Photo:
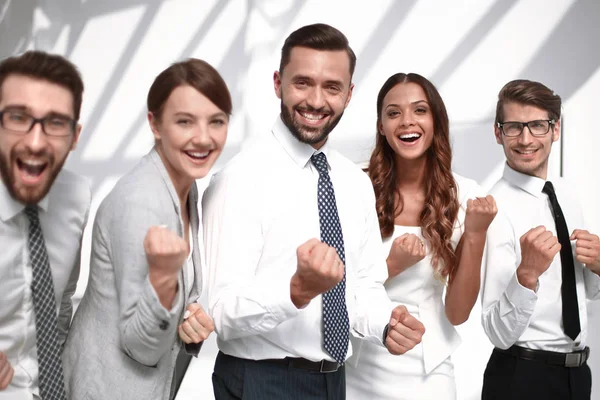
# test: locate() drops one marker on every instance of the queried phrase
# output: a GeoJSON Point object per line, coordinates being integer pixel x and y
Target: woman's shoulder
{"type": "Point", "coordinates": [467, 188]}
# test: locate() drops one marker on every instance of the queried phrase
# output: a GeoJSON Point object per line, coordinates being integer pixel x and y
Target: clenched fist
{"type": "Point", "coordinates": [538, 248]}
{"type": "Point", "coordinates": [406, 250]}
{"type": "Point", "coordinates": [480, 214]}
{"type": "Point", "coordinates": [197, 325]}
{"type": "Point", "coordinates": [165, 251]}
{"type": "Point", "coordinates": [319, 269]}
{"type": "Point", "coordinates": [587, 249]}
{"type": "Point", "coordinates": [6, 371]}
{"type": "Point", "coordinates": [404, 331]}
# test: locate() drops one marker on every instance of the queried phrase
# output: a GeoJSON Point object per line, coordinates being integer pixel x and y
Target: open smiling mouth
{"type": "Point", "coordinates": [526, 152]}
{"type": "Point", "coordinates": [31, 170]}
{"type": "Point", "coordinates": [198, 155]}
{"type": "Point", "coordinates": [312, 118]}
{"type": "Point", "coordinates": [410, 137]}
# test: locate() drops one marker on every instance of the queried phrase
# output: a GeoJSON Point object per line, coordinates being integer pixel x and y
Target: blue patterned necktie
{"type": "Point", "coordinates": [336, 327]}
{"type": "Point", "coordinates": [51, 380]}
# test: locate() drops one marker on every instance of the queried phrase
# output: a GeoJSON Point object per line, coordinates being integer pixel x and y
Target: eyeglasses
{"type": "Point", "coordinates": [52, 125]}
{"type": "Point", "coordinates": [539, 127]}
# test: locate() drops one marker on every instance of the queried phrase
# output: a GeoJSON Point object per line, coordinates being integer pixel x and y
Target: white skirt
{"type": "Point", "coordinates": [381, 375]}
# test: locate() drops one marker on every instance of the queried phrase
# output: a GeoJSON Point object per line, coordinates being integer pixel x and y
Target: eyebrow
{"type": "Point", "coordinates": [308, 78]}
{"type": "Point", "coordinates": [51, 113]}
{"type": "Point", "coordinates": [192, 116]}
{"type": "Point", "coordinates": [413, 103]}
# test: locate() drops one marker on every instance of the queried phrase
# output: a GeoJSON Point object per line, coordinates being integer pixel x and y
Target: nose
{"type": "Point", "coordinates": [525, 138]}
{"type": "Point", "coordinates": [201, 136]}
{"type": "Point", "coordinates": [407, 120]}
{"type": "Point", "coordinates": [316, 99]}
{"type": "Point", "coordinates": [36, 140]}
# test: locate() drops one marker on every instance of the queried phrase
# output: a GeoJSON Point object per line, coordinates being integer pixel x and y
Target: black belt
{"type": "Point", "coordinates": [570, 360]}
{"type": "Point", "coordinates": [302, 363]}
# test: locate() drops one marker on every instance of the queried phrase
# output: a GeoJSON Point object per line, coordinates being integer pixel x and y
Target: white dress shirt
{"type": "Point", "coordinates": [256, 212]}
{"type": "Point", "coordinates": [63, 216]}
{"type": "Point", "coordinates": [513, 314]}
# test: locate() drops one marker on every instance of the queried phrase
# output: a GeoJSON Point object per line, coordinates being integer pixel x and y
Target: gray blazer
{"type": "Point", "coordinates": [123, 343]}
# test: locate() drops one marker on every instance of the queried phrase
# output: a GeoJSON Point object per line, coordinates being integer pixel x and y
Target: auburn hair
{"type": "Point", "coordinates": [441, 207]}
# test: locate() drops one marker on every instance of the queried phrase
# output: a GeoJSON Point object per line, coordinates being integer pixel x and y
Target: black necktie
{"type": "Point", "coordinates": [336, 327]}
{"type": "Point", "coordinates": [51, 380]}
{"type": "Point", "coordinates": [570, 307]}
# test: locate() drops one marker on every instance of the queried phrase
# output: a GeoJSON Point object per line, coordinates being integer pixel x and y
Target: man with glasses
{"type": "Point", "coordinates": [43, 211]}
{"type": "Point", "coordinates": [541, 264]}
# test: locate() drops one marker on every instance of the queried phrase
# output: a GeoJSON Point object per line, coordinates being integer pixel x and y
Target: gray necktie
{"type": "Point", "coordinates": [51, 380]}
{"type": "Point", "coordinates": [336, 327]}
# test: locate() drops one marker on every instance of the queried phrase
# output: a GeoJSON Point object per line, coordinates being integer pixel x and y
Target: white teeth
{"type": "Point", "coordinates": [197, 154]}
{"type": "Point", "coordinates": [526, 151]}
{"type": "Point", "coordinates": [312, 117]}
{"type": "Point", "coordinates": [410, 135]}
{"type": "Point", "coordinates": [33, 163]}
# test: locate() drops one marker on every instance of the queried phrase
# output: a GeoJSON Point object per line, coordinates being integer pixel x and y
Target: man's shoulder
{"type": "Point", "coordinates": [348, 169]}
{"type": "Point", "coordinates": [71, 188]}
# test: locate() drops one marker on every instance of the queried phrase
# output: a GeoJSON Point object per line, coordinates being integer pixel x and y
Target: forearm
{"type": "Point", "coordinates": [149, 330]}
{"type": "Point", "coordinates": [505, 319]}
{"type": "Point", "coordinates": [165, 287]}
{"type": "Point", "coordinates": [256, 308]}
{"type": "Point", "coordinates": [463, 287]}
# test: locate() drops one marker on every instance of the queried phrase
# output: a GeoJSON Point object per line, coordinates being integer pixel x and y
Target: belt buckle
{"type": "Point", "coordinates": [573, 360]}
{"type": "Point", "coordinates": [326, 371]}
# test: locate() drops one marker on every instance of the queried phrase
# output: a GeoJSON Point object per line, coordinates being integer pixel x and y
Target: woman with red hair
{"type": "Point", "coordinates": [434, 227]}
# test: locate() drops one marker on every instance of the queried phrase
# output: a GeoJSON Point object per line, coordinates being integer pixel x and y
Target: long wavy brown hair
{"type": "Point", "coordinates": [441, 207]}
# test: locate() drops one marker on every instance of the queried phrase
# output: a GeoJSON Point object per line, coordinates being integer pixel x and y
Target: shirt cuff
{"type": "Point", "coordinates": [278, 301]}
{"type": "Point", "coordinates": [519, 296]}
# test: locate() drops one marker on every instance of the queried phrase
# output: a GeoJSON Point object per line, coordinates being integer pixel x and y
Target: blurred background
{"type": "Point", "coordinates": [469, 49]}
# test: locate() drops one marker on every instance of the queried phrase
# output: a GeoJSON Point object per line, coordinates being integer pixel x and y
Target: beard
{"type": "Point", "coordinates": [303, 133]}
{"type": "Point", "coordinates": [25, 194]}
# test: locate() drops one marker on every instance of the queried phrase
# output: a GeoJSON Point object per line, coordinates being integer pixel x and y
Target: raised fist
{"type": "Point", "coordinates": [197, 325]}
{"type": "Point", "coordinates": [406, 250]}
{"type": "Point", "coordinates": [480, 214]}
{"type": "Point", "coordinates": [404, 331]}
{"type": "Point", "coordinates": [319, 269]}
{"type": "Point", "coordinates": [6, 371]}
{"type": "Point", "coordinates": [165, 250]}
{"type": "Point", "coordinates": [538, 248]}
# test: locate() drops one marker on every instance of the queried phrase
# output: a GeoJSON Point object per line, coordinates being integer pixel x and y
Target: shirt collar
{"type": "Point", "coordinates": [9, 207]}
{"type": "Point", "coordinates": [531, 184]}
{"type": "Point", "coordinates": [298, 151]}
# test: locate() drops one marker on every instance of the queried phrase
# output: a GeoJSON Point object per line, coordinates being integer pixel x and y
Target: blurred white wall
{"type": "Point", "coordinates": [468, 48]}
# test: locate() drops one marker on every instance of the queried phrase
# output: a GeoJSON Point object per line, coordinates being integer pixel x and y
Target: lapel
{"type": "Point", "coordinates": [184, 279]}
{"type": "Point", "coordinates": [196, 280]}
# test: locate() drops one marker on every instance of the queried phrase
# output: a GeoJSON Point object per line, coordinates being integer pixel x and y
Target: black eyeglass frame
{"type": "Point", "coordinates": [42, 122]}
{"type": "Point", "coordinates": [550, 122]}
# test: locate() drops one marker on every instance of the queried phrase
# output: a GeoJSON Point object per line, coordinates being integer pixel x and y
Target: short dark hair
{"type": "Point", "coordinates": [193, 72]}
{"type": "Point", "coordinates": [523, 91]}
{"type": "Point", "coordinates": [317, 37]}
{"type": "Point", "coordinates": [50, 67]}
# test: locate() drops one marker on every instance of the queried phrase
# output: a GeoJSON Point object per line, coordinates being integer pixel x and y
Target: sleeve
{"type": "Point", "coordinates": [507, 305]}
{"type": "Point", "coordinates": [242, 302]}
{"type": "Point", "coordinates": [592, 284]}
{"type": "Point", "coordinates": [373, 306]}
{"type": "Point", "coordinates": [66, 305]}
{"type": "Point", "coordinates": [147, 329]}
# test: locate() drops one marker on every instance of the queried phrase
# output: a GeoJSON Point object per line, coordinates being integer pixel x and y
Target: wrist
{"type": "Point", "coordinates": [298, 296]}
{"type": "Point", "coordinates": [474, 237]}
{"type": "Point", "coordinates": [527, 279]}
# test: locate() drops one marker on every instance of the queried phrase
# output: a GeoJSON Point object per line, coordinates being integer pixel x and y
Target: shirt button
{"type": "Point", "coordinates": [164, 325]}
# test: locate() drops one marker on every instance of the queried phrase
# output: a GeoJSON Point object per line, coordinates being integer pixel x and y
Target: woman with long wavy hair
{"type": "Point", "coordinates": [434, 227]}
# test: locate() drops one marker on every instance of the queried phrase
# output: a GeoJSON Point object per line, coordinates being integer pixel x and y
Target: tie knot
{"type": "Point", "coordinates": [549, 189]}
{"type": "Point", "coordinates": [32, 214]}
{"type": "Point", "coordinates": [319, 160]}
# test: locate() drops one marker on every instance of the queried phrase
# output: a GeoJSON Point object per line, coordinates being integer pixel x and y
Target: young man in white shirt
{"type": "Point", "coordinates": [293, 243]}
{"type": "Point", "coordinates": [43, 211]}
{"type": "Point", "coordinates": [541, 264]}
